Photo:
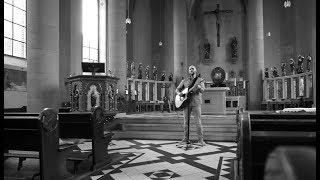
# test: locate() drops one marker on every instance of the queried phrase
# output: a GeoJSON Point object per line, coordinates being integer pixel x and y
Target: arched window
{"type": "Point", "coordinates": [90, 31]}
{"type": "Point", "coordinates": [15, 28]}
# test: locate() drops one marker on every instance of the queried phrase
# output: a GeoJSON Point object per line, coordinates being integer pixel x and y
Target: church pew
{"type": "Point", "coordinates": [87, 125]}
{"type": "Point", "coordinates": [81, 125]}
{"type": "Point", "coordinates": [21, 109]}
{"type": "Point", "coordinates": [40, 134]}
{"type": "Point", "coordinates": [261, 133]}
{"type": "Point", "coordinates": [291, 162]}
{"type": "Point", "coordinates": [21, 114]}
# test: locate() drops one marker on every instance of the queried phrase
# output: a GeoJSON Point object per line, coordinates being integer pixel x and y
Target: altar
{"type": "Point", "coordinates": [214, 100]}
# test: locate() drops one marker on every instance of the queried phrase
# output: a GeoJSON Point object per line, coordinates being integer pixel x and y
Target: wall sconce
{"type": "Point", "coordinates": [128, 20]}
{"type": "Point", "coordinates": [287, 3]}
{"type": "Point", "coordinates": [160, 8]}
{"type": "Point", "coordinates": [268, 34]}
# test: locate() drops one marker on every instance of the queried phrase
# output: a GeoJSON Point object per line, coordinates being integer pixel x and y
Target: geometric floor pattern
{"type": "Point", "coordinates": [159, 159]}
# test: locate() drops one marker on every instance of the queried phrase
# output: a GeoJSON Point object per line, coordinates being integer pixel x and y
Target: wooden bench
{"type": "Point", "coordinates": [260, 133]}
{"type": "Point", "coordinates": [291, 162]}
{"type": "Point", "coordinates": [15, 116]}
{"type": "Point", "coordinates": [21, 109]}
{"type": "Point", "coordinates": [38, 133]}
{"type": "Point", "coordinates": [87, 125]}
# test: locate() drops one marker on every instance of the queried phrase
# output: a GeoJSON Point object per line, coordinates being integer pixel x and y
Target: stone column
{"type": "Point", "coordinates": [43, 55]}
{"type": "Point", "coordinates": [117, 41]}
{"type": "Point", "coordinates": [64, 48]}
{"type": "Point", "coordinates": [141, 33]}
{"type": "Point", "coordinates": [256, 53]}
{"type": "Point", "coordinates": [314, 53]}
{"type": "Point", "coordinates": [179, 38]}
{"type": "Point", "coordinates": [76, 36]}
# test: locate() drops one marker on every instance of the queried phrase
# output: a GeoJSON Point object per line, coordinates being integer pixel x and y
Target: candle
{"type": "Point", "coordinates": [235, 81]}
{"type": "Point", "coordinates": [244, 84]}
{"type": "Point", "coordinates": [226, 76]}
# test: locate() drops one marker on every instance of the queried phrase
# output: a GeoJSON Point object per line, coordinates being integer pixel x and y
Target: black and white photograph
{"type": "Point", "coordinates": [159, 89]}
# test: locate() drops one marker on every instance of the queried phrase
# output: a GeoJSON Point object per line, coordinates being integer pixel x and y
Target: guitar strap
{"type": "Point", "coordinates": [193, 82]}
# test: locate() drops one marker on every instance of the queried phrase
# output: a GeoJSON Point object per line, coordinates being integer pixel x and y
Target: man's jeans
{"type": "Point", "coordinates": [196, 112]}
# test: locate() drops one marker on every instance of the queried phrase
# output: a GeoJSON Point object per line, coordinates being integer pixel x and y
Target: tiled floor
{"type": "Point", "coordinates": [158, 159]}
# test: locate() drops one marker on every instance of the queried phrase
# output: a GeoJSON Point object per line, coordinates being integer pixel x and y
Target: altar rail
{"type": "Point", "coordinates": [145, 90]}
{"type": "Point", "coordinates": [288, 87]}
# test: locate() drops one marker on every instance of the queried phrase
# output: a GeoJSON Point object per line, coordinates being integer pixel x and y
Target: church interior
{"type": "Point", "coordinates": [90, 89]}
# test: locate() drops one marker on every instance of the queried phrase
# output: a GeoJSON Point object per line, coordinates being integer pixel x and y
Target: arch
{"type": "Point", "coordinates": [93, 92]}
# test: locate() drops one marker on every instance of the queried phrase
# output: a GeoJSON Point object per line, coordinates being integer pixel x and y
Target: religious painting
{"type": "Point", "coordinates": [15, 80]}
{"type": "Point", "coordinates": [205, 52]}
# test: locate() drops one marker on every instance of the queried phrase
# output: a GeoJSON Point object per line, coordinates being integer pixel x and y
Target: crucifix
{"type": "Point", "coordinates": [218, 13]}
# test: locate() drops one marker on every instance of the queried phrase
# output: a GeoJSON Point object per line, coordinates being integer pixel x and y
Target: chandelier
{"type": "Point", "coordinates": [287, 3]}
{"type": "Point", "coordinates": [160, 42]}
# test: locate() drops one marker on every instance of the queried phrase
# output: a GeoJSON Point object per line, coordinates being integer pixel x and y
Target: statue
{"type": "Point", "coordinates": [132, 69]}
{"type": "Point", "coordinates": [300, 63]}
{"type": "Point", "coordinates": [93, 100]}
{"type": "Point", "coordinates": [140, 71]}
{"type": "Point", "coordinates": [110, 97]}
{"type": "Point", "coordinates": [309, 60]}
{"type": "Point", "coordinates": [232, 74]}
{"type": "Point", "coordinates": [170, 78]}
{"type": "Point", "coordinates": [163, 76]}
{"type": "Point", "coordinates": [292, 66]}
{"type": "Point", "coordinates": [147, 71]}
{"type": "Point", "coordinates": [275, 72]}
{"type": "Point", "coordinates": [266, 72]}
{"type": "Point", "coordinates": [154, 73]}
{"type": "Point", "coordinates": [283, 69]}
{"type": "Point", "coordinates": [234, 49]}
{"type": "Point", "coordinates": [76, 99]}
{"type": "Point", "coordinates": [241, 74]}
{"type": "Point", "coordinates": [206, 51]}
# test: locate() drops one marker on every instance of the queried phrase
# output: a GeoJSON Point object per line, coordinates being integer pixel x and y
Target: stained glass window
{"type": "Point", "coordinates": [15, 28]}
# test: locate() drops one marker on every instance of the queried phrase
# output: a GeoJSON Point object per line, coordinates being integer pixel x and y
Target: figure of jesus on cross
{"type": "Point", "coordinates": [218, 13]}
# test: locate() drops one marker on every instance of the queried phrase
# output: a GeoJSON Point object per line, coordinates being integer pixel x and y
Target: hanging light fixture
{"type": "Point", "coordinates": [160, 42]}
{"type": "Point", "coordinates": [287, 3]}
{"type": "Point", "coordinates": [128, 20]}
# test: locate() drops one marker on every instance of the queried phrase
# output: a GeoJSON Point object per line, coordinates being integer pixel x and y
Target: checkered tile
{"type": "Point", "coordinates": [152, 159]}
{"type": "Point", "coordinates": [161, 174]}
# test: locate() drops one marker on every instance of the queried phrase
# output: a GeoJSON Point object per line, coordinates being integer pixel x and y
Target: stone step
{"type": "Point", "coordinates": [167, 135]}
{"type": "Point", "coordinates": [172, 116]}
{"type": "Point", "coordinates": [178, 127]}
{"type": "Point", "coordinates": [173, 121]}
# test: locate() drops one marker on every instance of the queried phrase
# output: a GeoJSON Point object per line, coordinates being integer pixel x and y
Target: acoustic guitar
{"type": "Point", "coordinates": [181, 101]}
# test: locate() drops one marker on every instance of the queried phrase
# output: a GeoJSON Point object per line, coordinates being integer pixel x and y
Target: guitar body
{"type": "Point", "coordinates": [183, 100]}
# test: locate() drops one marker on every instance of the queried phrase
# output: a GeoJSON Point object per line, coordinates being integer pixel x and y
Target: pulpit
{"type": "Point", "coordinates": [214, 100]}
{"type": "Point", "coordinates": [88, 91]}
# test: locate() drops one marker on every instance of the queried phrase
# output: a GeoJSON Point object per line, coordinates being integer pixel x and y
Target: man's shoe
{"type": "Point", "coordinates": [201, 143]}
{"type": "Point", "coordinates": [183, 141]}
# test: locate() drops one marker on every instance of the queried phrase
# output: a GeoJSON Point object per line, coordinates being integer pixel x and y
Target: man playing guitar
{"type": "Point", "coordinates": [195, 87]}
